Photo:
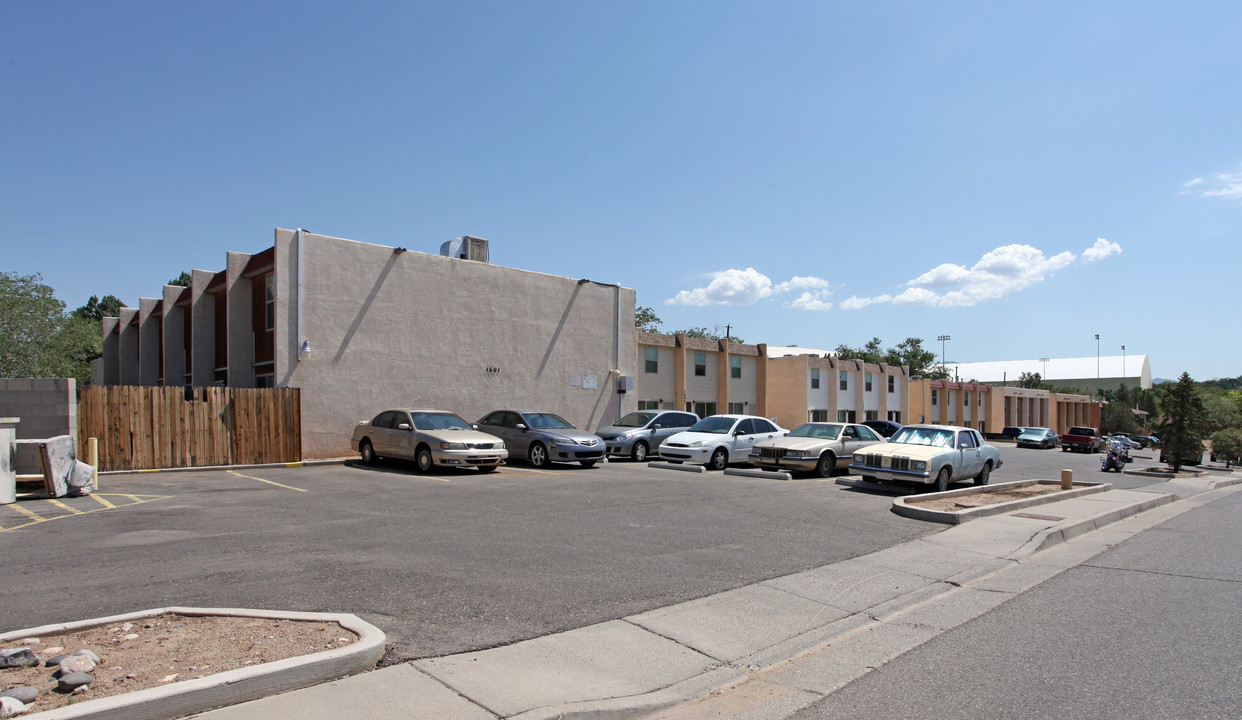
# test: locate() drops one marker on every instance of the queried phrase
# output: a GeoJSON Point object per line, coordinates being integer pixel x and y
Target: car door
{"type": "Point", "coordinates": [742, 438]}
{"type": "Point", "coordinates": [754, 430]}
{"type": "Point", "coordinates": [401, 439]}
{"type": "Point", "coordinates": [381, 433]}
{"type": "Point", "coordinates": [494, 424]}
{"type": "Point", "coordinates": [971, 456]}
{"type": "Point", "coordinates": [855, 438]}
{"type": "Point", "coordinates": [666, 425]}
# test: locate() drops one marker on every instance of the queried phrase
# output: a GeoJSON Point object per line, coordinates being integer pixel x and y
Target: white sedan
{"type": "Point", "coordinates": [719, 440]}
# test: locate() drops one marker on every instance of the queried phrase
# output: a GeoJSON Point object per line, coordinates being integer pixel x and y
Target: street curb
{"type": "Point", "coordinates": [198, 468]}
{"type": "Point", "coordinates": [634, 707]}
{"type": "Point", "coordinates": [1070, 530]}
{"type": "Point", "coordinates": [231, 687]}
{"type": "Point", "coordinates": [902, 506]}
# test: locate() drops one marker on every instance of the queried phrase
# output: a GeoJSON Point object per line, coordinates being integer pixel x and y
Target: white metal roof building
{"type": "Point", "coordinates": [1083, 372]}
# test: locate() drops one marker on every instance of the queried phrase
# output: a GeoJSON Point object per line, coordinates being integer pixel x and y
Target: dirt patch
{"type": "Point", "coordinates": [980, 498]}
{"type": "Point", "coordinates": [168, 648]}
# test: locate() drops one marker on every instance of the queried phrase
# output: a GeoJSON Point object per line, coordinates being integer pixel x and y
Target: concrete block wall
{"type": "Point", "coordinates": [46, 407]}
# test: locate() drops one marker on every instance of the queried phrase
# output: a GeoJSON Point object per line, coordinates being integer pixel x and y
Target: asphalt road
{"type": "Point", "coordinates": [1148, 629]}
{"type": "Point", "coordinates": [442, 563]}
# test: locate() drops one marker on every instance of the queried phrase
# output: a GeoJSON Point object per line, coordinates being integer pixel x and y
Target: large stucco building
{"type": "Point", "coordinates": [361, 327]}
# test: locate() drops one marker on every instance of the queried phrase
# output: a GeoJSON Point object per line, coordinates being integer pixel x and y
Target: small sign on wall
{"type": "Point", "coordinates": [590, 382]}
{"type": "Point", "coordinates": [575, 381]}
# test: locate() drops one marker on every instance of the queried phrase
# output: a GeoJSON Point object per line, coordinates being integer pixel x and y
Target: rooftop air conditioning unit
{"type": "Point", "coordinates": [465, 247]}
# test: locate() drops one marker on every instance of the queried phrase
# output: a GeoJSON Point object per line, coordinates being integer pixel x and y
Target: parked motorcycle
{"type": "Point", "coordinates": [1115, 458]}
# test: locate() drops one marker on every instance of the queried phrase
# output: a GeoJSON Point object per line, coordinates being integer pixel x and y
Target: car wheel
{"type": "Point", "coordinates": [720, 459]}
{"type": "Point", "coordinates": [587, 463]}
{"type": "Point", "coordinates": [827, 465]}
{"type": "Point", "coordinates": [983, 477]}
{"type": "Point", "coordinates": [423, 460]}
{"type": "Point", "coordinates": [942, 479]}
{"type": "Point", "coordinates": [537, 455]}
{"type": "Point", "coordinates": [368, 452]}
{"type": "Point", "coordinates": [488, 468]}
{"type": "Point", "coordinates": [639, 453]}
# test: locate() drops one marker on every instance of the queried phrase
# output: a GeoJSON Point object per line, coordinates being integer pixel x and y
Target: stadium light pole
{"type": "Point", "coordinates": [942, 339]}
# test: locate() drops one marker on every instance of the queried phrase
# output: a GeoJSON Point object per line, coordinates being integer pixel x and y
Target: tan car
{"type": "Point", "coordinates": [431, 438]}
{"type": "Point", "coordinates": [819, 447]}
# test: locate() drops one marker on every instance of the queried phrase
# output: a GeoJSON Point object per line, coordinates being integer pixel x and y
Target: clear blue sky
{"type": "Point", "coordinates": [1020, 176]}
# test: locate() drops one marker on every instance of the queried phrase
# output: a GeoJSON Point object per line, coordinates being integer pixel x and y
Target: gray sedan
{"type": "Point", "coordinates": [431, 438]}
{"type": "Point", "coordinates": [543, 437]}
{"type": "Point", "coordinates": [635, 434]}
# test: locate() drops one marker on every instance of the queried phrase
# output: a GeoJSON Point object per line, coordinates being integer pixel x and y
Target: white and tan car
{"type": "Point", "coordinates": [929, 454]}
{"type": "Point", "coordinates": [818, 447]}
{"type": "Point", "coordinates": [431, 438]}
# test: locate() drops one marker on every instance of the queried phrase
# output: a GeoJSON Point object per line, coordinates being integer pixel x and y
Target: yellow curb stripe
{"type": "Point", "coordinates": [293, 464]}
{"type": "Point", "coordinates": [63, 506]}
{"type": "Point", "coordinates": [147, 471]}
{"type": "Point", "coordinates": [28, 513]}
{"type": "Point", "coordinates": [103, 502]}
{"type": "Point", "coordinates": [269, 482]}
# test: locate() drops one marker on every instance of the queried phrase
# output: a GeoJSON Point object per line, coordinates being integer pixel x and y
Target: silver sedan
{"type": "Point", "coordinates": [431, 438]}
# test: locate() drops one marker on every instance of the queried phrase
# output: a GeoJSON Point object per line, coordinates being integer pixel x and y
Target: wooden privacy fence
{"type": "Point", "coordinates": [147, 428]}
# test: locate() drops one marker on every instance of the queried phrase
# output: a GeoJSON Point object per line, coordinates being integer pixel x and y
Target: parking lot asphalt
{"type": "Point", "coordinates": [443, 563]}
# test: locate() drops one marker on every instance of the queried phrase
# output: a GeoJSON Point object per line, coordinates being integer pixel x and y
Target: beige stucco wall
{"type": "Point", "coordinates": [407, 329]}
{"type": "Point", "coordinates": [788, 387]}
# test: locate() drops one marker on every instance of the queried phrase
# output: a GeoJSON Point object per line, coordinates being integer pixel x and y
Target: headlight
{"type": "Point", "coordinates": [859, 458]}
{"type": "Point", "coordinates": [625, 436]}
{"type": "Point", "coordinates": [696, 443]}
{"type": "Point", "coordinates": [798, 453]}
{"type": "Point", "coordinates": [499, 445]}
{"type": "Point", "coordinates": [452, 446]}
{"type": "Point", "coordinates": [918, 464]}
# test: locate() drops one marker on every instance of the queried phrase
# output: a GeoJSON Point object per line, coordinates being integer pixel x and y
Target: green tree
{"type": "Point", "coordinates": [1227, 445]}
{"type": "Point", "coordinates": [1033, 380]}
{"type": "Point", "coordinates": [96, 309]}
{"type": "Point", "coordinates": [1182, 426]}
{"type": "Point", "coordinates": [870, 352]}
{"type": "Point", "coordinates": [1117, 416]}
{"type": "Point", "coordinates": [646, 320]}
{"type": "Point", "coordinates": [1221, 410]}
{"type": "Point", "coordinates": [702, 332]}
{"type": "Point", "coordinates": [182, 280]}
{"type": "Point", "coordinates": [37, 338]}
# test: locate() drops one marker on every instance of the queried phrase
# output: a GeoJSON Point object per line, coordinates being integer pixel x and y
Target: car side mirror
{"type": "Point", "coordinates": [737, 433]}
{"type": "Point", "coordinates": [404, 426]}
{"type": "Point", "coordinates": [475, 426]}
{"type": "Point", "coordinates": [519, 426]}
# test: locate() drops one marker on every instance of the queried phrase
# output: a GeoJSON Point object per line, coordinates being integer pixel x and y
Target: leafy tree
{"type": "Point", "coordinates": [1182, 426]}
{"type": "Point", "coordinates": [96, 309]}
{"type": "Point", "coordinates": [1117, 416]}
{"type": "Point", "coordinates": [646, 320]}
{"type": "Point", "coordinates": [1222, 410]}
{"type": "Point", "coordinates": [870, 353]}
{"type": "Point", "coordinates": [182, 280]}
{"type": "Point", "coordinates": [37, 338]}
{"type": "Point", "coordinates": [1227, 445]}
{"type": "Point", "coordinates": [714, 334]}
{"type": "Point", "coordinates": [1033, 380]}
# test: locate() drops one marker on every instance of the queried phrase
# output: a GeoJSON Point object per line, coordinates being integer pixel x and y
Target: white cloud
{"type": "Point", "coordinates": [810, 301]}
{"type": "Point", "coordinates": [802, 283]}
{"type": "Point", "coordinates": [998, 274]}
{"type": "Point", "coordinates": [856, 303]}
{"type": "Point", "coordinates": [731, 287]}
{"type": "Point", "coordinates": [1100, 250]}
{"type": "Point", "coordinates": [1226, 185]}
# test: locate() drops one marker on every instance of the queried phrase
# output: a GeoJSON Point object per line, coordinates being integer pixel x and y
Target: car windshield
{"type": "Point", "coordinates": [714, 425]}
{"type": "Point", "coordinates": [439, 421]}
{"type": "Point", "coordinates": [817, 430]}
{"type": "Point", "coordinates": [634, 419]}
{"type": "Point", "coordinates": [924, 436]}
{"type": "Point", "coordinates": [1035, 431]}
{"type": "Point", "coordinates": [547, 421]}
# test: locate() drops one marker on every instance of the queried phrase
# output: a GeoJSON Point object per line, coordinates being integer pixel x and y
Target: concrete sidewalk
{"type": "Point", "coordinates": [761, 651]}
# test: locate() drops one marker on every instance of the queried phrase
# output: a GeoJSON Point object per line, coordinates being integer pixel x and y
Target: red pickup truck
{"type": "Point", "coordinates": [1082, 439]}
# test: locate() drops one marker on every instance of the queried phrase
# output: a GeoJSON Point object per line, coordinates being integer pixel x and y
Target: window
{"type": "Point", "coordinates": [735, 363]}
{"type": "Point", "coordinates": [818, 416]}
{"type": "Point", "coordinates": [737, 408]}
{"type": "Point", "coordinates": [648, 404]}
{"type": "Point", "coordinates": [966, 440]}
{"type": "Point", "coordinates": [966, 398]}
{"type": "Point", "coordinates": [701, 409]}
{"type": "Point", "coordinates": [652, 356]}
{"type": "Point", "coordinates": [746, 427]}
{"type": "Point", "coordinates": [871, 415]}
{"type": "Point", "coordinates": [895, 416]}
{"type": "Point", "coordinates": [265, 381]}
{"type": "Point", "coordinates": [980, 395]}
{"type": "Point", "coordinates": [845, 380]}
{"type": "Point", "coordinates": [700, 364]}
{"type": "Point", "coordinates": [865, 433]}
{"type": "Point", "coordinates": [867, 382]}
{"type": "Point", "coordinates": [892, 384]}
{"type": "Point", "coordinates": [269, 290]}
{"type": "Point", "coordinates": [935, 397]}
{"type": "Point", "coordinates": [814, 378]}
{"type": "Point", "coordinates": [845, 416]}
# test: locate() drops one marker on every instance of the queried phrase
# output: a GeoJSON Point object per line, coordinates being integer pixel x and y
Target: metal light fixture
{"type": "Point", "coordinates": [304, 351]}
